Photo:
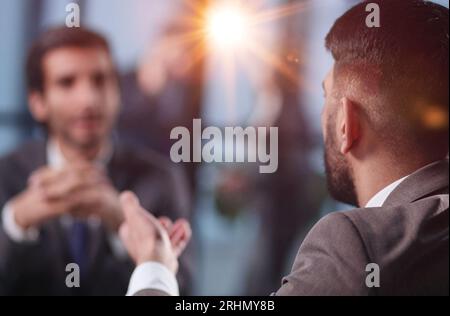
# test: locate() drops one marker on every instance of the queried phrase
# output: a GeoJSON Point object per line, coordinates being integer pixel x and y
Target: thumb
{"type": "Point", "coordinates": [130, 205]}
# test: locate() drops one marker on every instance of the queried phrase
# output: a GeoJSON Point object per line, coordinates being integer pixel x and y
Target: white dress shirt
{"type": "Point", "coordinates": [155, 276]}
{"type": "Point", "coordinates": [378, 199]}
{"type": "Point", "coordinates": [56, 160]}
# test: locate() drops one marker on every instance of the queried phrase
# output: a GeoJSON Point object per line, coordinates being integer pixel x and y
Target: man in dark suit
{"type": "Point", "coordinates": [386, 132]}
{"type": "Point", "coordinates": [59, 198]}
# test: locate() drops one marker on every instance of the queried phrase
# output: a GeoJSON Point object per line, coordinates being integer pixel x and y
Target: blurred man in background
{"type": "Point", "coordinates": [59, 198]}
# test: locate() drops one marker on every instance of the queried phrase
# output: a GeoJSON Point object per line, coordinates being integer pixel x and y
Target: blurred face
{"type": "Point", "coordinates": [81, 99]}
{"type": "Point", "coordinates": [339, 176]}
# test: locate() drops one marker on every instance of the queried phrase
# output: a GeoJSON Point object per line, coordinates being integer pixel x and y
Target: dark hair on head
{"type": "Point", "coordinates": [58, 37]}
{"type": "Point", "coordinates": [406, 60]}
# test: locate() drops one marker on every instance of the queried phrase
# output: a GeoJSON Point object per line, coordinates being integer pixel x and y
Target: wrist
{"type": "Point", "coordinates": [19, 216]}
{"type": "Point", "coordinates": [15, 232]}
{"type": "Point", "coordinates": [171, 265]}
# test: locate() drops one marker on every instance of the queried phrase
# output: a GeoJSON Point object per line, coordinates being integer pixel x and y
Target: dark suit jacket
{"type": "Point", "coordinates": [407, 238]}
{"type": "Point", "coordinates": [39, 268]}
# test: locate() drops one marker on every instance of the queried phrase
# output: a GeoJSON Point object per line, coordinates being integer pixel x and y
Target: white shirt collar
{"type": "Point", "coordinates": [56, 159]}
{"type": "Point", "coordinates": [378, 199]}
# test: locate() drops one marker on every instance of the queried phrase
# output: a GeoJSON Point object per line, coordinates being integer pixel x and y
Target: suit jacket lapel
{"type": "Point", "coordinates": [33, 156]}
{"type": "Point", "coordinates": [433, 178]}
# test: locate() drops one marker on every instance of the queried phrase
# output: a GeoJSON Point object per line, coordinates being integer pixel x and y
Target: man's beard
{"type": "Point", "coordinates": [339, 176]}
{"type": "Point", "coordinates": [85, 145]}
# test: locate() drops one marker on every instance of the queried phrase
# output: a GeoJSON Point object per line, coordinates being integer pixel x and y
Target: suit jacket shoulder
{"type": "Point", "coordinates": [407, 238]}
{"type": "Point", "coordinates": [410, 245]}
{"type": "Point", "coordinates": [331, 261]}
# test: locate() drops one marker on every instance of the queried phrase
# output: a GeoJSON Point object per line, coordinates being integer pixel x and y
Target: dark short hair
{"type": "Point", "coordinates": [407, 58]}
{"type": "Point", "coordinates": [55, 38]}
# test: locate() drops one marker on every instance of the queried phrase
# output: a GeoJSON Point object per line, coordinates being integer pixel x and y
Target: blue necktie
{"type": "Point", "coordinates": [78, 244]}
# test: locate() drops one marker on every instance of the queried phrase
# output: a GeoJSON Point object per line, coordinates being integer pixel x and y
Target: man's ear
{"type": "Point", "coordinates": [350, 129]}
{"type": "Point", "coordinates": [37, 107]}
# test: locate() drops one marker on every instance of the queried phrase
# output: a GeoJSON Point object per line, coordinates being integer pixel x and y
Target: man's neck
{"type": "Point", "coordinates": [73, 153]}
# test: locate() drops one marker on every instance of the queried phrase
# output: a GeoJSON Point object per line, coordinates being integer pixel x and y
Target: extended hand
{"type": "Point", "coordinates": [148, 239]}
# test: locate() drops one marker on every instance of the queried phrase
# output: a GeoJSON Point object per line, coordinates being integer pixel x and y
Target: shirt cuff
{"type": "Point", "coordinates": [14, 231]}
{"type": "Point", "coordinates": [153, 276]}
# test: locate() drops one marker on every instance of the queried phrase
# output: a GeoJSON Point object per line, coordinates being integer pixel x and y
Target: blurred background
{"type": "Point", "coordinates": [247, 226]}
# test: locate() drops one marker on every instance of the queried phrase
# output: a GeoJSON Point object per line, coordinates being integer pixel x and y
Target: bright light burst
{"type": "Point", "coordinates": [234, 31]}
{"type": "Point", "coordinates": [227, 26]}
{"type": "Point", "coordinates": [232, 24]}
